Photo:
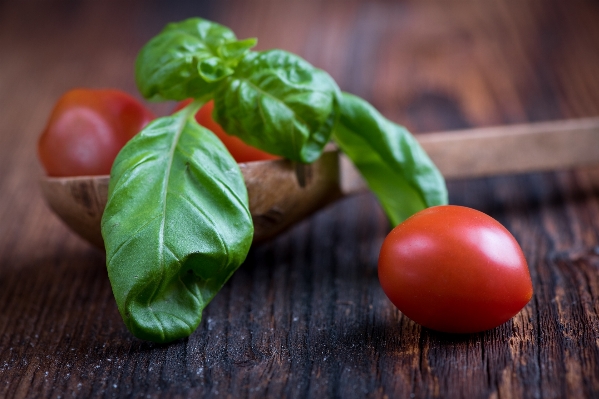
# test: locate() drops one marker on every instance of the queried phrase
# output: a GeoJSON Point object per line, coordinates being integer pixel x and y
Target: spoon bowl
{"type": "Point", "coordinates": [281, 193]}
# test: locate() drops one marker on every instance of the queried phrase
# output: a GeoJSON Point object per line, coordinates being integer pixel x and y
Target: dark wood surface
{"type": "Point", "coordinates": [305, 315]}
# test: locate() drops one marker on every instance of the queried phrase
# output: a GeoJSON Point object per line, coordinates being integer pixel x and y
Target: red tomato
{"type": "Point", "coordinates": [240, 151]}
{"type": "Point", "coordinates": [454, 269]}
{"type": "Point", "coordinates": [87, 129]}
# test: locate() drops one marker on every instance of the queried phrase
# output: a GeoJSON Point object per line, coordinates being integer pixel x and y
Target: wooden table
{"type": "Point", "coordinates": [305, 315]}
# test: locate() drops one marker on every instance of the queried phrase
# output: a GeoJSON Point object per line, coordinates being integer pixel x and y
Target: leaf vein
{"type": "Point", "coordinates": [131, 238]}
{"type": "Point", "coordinates": [208, 218]}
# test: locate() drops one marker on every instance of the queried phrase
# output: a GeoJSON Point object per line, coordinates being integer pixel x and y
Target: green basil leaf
{"type": "Point", "coordinates": [176, 226]}
{"type": "Point", "coordinates": [279, 103]}
{"type": "Point", "coordinates": [186, 60]}
{"type": "Point", "coordinates": [236, 50]}
{"type": "Point", "coordinates": [214, 69]}
{"type": "Point", "coordinates": [392, 162]}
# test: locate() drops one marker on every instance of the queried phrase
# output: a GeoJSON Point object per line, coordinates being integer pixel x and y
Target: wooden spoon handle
{"type": "Point", "coordinates": [514, 149]}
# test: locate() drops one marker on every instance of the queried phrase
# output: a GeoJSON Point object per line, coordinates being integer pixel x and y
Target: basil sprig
{"type": "Point", "coordinates": [177, 222]}
{"type": "Point", "coordinates": [187, 59]}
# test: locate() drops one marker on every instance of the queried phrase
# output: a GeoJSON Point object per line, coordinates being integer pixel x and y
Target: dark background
{"type": "Point", "coordinates": [305, 315]}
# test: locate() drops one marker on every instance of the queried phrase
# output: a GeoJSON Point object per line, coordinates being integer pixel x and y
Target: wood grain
{"type": "Point", "coordinates": [305, 316]}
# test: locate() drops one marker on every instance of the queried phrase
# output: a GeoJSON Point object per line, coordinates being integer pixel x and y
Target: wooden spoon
{"type": "Point", "coordinates": [282, 192]}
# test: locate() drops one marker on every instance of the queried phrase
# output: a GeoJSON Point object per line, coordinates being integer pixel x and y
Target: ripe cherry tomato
{"type": "Point", "coordinates": [240, 151]}
{"type": "Point", "coordinates": [454, 269]}
{"type": "Point", "coordinates": [87, 129]}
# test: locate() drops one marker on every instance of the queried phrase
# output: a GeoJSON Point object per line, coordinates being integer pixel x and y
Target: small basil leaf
{"type": "Point", "coordinates": [390, 159]}
{"type": "Point", "coordinates": [235, 51]}
{"type": "Point", "coordinates": [214, 69]}
{"type": "Point", "coordinates": [167, 67]}
{"type": "Point", "coordinates": [176, 226]}
{"type": "Point", "coordinates": [279, 103]}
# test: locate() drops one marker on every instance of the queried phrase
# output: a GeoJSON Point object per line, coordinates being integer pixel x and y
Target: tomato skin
{"type": "Point", "coordinates": [87, 129]}
{"type": "Point", "coordinates": [454, 269]}
{"type": "Point", "coordinates": [240, 151]}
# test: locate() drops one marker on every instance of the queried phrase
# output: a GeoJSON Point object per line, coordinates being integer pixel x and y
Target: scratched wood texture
{"type": "Point", "coordinates": [305, 316]}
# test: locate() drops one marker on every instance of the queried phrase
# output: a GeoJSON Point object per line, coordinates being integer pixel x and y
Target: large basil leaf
{"type": "Point", "coordinates": [176, 226]}
{"type": "Point", "coordinates": [187, 59]}
{"type": "Point", "coordinates": [279, 103]}
{"type": "Point", "coordinates": [390, 159]}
